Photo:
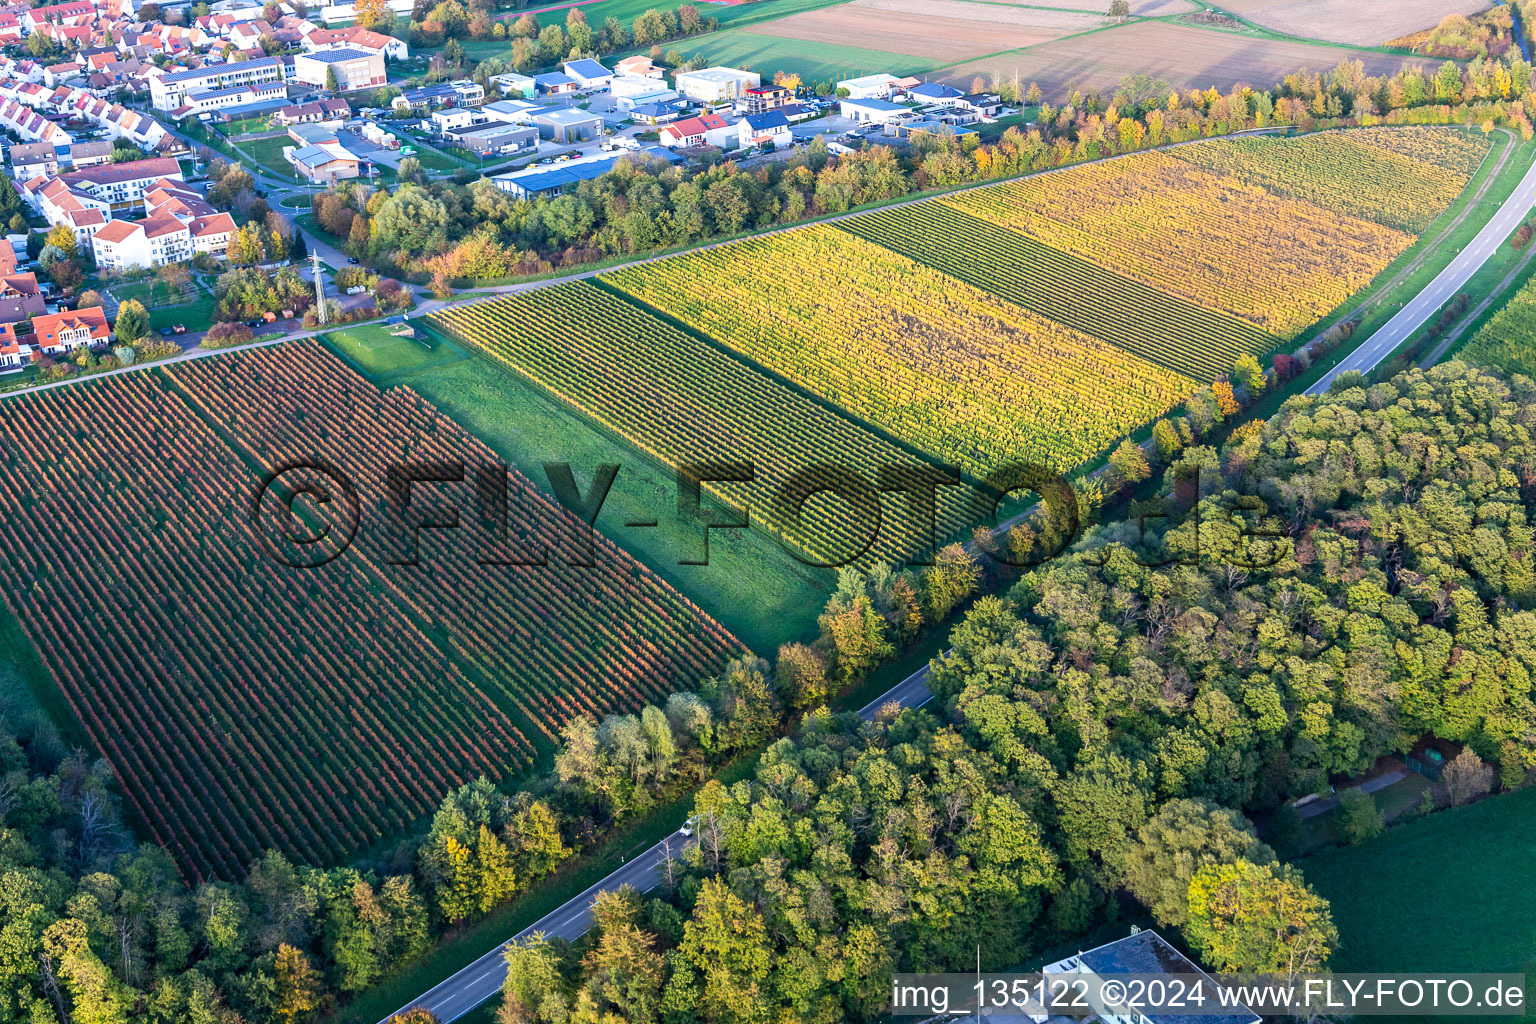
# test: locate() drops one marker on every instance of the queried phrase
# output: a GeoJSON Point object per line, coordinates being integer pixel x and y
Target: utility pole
{"type": "Point", "coordinates": [314, 258]}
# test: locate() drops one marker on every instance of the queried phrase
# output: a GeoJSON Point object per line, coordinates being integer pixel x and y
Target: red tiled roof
{"type": "Point", "coordinates": [117, 231]}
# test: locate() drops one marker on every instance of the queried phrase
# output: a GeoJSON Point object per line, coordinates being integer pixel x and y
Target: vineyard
{"type": "Point", "coordinates": [943, 365]}
{"type": "Point", "coordinates": [1197, 342]}
{"type": "Point", "coordinates": [1508, 339]}
{"type": "Point", "coordinates": [554, 641]}
{"type": "Point", "coordinates": [243, 708]}
{"type": "Point", "coordinates": [246, 705]}
{"type": "Point", "coordinates": [681, 400]}
{"type": "Point", "coordinates": [1209, 238]}
{"type": "Point", "coordinates": [1401, 177]}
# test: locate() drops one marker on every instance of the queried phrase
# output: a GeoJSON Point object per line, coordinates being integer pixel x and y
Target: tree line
{"type": "Point", "coordinates": [466, 229]}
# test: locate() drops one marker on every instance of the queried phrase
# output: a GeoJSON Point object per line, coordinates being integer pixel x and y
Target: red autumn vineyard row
{"type": "Point", "coordinates": [555, 641]}
{"type": "Point", "coordinates": [243, 706]}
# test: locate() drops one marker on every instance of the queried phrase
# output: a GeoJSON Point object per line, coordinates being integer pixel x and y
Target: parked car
{"type": "Point", "coordinates": [165, 332]}
{"type": "Point", "coordinates": [179, 328]}
{"type": "Point", "coordinates": [253, 323]}
{"type": "Point", "coordinates": [352, 260]}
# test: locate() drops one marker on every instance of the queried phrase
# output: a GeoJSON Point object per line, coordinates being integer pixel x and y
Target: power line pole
{"type": "Point", "coordinates": [320, 318]}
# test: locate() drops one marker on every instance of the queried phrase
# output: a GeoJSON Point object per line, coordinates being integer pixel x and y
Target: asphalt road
{"type": "Point", "coordinates": [482, 979]}
{"type": "Point", "coordinates": [1442, 289]}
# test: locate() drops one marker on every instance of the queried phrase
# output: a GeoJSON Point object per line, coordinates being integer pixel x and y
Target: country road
{"type": "Point", "coordinates": [1417, 311]}
{"type": "Point", "coordinates": [481, 980]}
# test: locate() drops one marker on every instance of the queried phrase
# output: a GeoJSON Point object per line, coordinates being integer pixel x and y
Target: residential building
{"type": "Point", "coordinates": [869, 87]}
{"type": "Point", "coordinates": [58, 74]}
{"type": "Point", "coordinates": [123, 185]}
{"type": "Point", "coordinates": [211, 234]}
{"type": "Point", "coordinates": [31, 159]}
{"type": "Point", "coordinates": [60, 333]}
{"type": "Point", "coordinates": [513, 84]}
{"type": "Point", "coordinates": [88, 154]}
{"type": "Point", "coordinates": [322, 110]}
{"type": "Point", "coordinates": [568, 125]}
{"type": "Point", "coordinates": [589, 75]}
{"type": "Point", "coordinates": [248, 34]}
{"type": "Point", "coordinates": [130, 245]}
{"type": "Point", "coordinates": [14, 356]}
{"type": "Point", "coordinates": [554, 83]}
{"type": "Point", "coordinates": [7, 256]}
{"type": "Point", "coordinates": [449, 118]}
{"type": "Point", "coordinates": [656, 113]}
{"type": "Point", "coordinates": [30, 125]}
{"type": "Point", "coordinates": [11, 29]}
{"type": "Point", "coordinates": [59, 203]}
{"type": "Point", "coordinates": [639, 66]}
{"type": "Point", "coordinates": [987, 104]}
{"type": "Point", "coordinates": [873, 111]}
{"type": "Point", "coordinates": [763, 98]}
{"type": "Point", "coordinates": [357, 38]}
{"type": "Point", "coordinates": [716, 85]}
{"type": "Point", "coordinates": [769, 129]}
{"type": "Point", "coordinates": [354, 68]}
{"type": "Point", "coordinates": [695, 131]}
{"type": "Point", "coordinates": [168, 92]}
{"type": "Point", "coordinates": [444, 94]}
{"type": "Point", "coordinates": [76, 12]}
{"type": "Point", "coordinates": [20, 297]}
{"type": "Point", "coordinates": [933, 92]}
{"type": "Point", "coordinates": [1141, 953]}
{"type": "Point", "coordinates": [467, 92]}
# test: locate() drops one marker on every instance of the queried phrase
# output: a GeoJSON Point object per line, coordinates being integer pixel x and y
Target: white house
{"type": "Point", "coordinates": [514, 84]}
{"type": "Point", "coordinates": [771, 128]}
{"type": "Point", "coordinates": [704, 130]}
{"type": "Point", "coordinates": [873, 111]}
{"type": "Point", "coordinates": [358, 38]}
{"type": "Point", "coordinates": [933, 92]}
{"type": "Point", "coordinates": [639, 66]}
{"type": "Point", "coordinates": [870, 87]}
{"type": "Point", "coordinates": [716, 85]}
{"type": "Point", "coordinates": [449, 118]}
{"type": "Point", "coordinates": [131, 244]}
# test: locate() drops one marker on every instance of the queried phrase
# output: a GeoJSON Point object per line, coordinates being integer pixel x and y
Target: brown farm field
{"type": "Point", "coordinates": [1355, 22]}
{"type": "Point", "coordinates": [942, 30]}
{"type": "Point", "coordinates": [1181, 55]}
{"type": "Point", "coordinates": [1140, 8]}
